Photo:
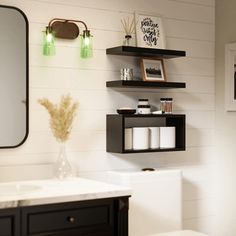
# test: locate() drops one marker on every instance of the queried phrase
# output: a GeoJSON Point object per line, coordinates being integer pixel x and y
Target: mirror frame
{"type": "Point", "coordinates": [27, 75]}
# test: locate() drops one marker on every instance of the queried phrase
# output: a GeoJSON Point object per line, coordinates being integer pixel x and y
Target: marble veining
{"type": "Point", "coordinates": [57, 191]}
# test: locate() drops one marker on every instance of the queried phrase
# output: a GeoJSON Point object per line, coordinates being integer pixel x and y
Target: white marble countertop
{"type": "Point", "coordinates": [38, 192]}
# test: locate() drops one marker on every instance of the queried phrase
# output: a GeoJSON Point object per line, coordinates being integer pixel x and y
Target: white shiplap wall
{"type": "Point", "coordinates": [189, 25]}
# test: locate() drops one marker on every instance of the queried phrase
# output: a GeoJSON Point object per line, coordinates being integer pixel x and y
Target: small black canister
{"type": "Point", "coordinates": [143, 106]}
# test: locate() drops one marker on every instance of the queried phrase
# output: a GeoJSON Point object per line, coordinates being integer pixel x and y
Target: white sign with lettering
{"type": "Point", "coordinates": [149, 31]}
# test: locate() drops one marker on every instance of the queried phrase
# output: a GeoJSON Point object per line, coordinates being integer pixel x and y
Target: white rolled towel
{"type": "Point", "coordinates": [154, 137]}
{"type": "Point", "coordinates": [128, 138]}
{"type": "Point", "coordinates": [167, 137]}
{"type": "Point", "coordinates": [140, 138]}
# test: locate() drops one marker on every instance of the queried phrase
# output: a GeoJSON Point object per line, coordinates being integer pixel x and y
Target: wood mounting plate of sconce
{"type": "Point", "coordinates": [65, 29]}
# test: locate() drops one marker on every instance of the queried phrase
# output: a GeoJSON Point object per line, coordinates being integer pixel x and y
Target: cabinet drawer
{"type": "Point", "coordinates": [9, 222]}
{"type": "Point", "coordinates": [76, 217]}
{"type": "Point", "coordinates": [68, 219]}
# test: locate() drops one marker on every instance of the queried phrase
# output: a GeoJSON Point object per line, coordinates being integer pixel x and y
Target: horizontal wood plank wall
{"type": "Point", "coordinates": [189, 25]}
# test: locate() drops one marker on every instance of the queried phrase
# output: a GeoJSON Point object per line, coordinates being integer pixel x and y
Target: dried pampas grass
{"type": "Point", "coordinates": [61, 116]}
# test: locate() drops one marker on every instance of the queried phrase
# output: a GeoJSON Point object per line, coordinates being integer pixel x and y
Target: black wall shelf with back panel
{"type": "Point", "coordinates": [116, 124]}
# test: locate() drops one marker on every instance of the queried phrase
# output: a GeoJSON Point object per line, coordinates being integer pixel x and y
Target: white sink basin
{"type": "Point", "coordinates": [15, 189]}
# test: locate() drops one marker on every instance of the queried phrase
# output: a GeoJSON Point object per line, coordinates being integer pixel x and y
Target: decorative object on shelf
{"type": "Point", "coordinates": [61, 119]}
{"type": "Point", "coordinates": [230, 77]}
{"type": "Point", "coordinates": [67, 29]}
{"type": "Point", "coordinates": [144, 107]}
{"type": "Point", "coordinates": [129, 28]}
{"type": "Point", "coordinates": [163, 104]}
{"type": "Point", "coordinates": [158, 112]}
{"type": "Point", "coordinates": [143, 101]}
{"type": "Point", "coordinates": [126, 74]}
{"type": "Point", "coordinates": [148, 169]}
{"type": "Point", "coordinates": [126, 110]}
{"type": "Point", "coordinates": [167, 137]}
{"type": "Point", "coordinates": [169, 105]}
{"type": "Point", "coordinates": [153, 70]}
{"type": "Point", "coordinates": [149, 30]}
{"type": "Point", "coordinates": [166, 105]}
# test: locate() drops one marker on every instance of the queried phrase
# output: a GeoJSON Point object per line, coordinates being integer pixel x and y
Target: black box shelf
{"type": "Point", "coordinates": [116, 124]}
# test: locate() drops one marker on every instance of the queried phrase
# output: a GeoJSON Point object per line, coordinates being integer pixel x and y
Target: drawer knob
{"type": "Point", "coordinates": [71, 219]}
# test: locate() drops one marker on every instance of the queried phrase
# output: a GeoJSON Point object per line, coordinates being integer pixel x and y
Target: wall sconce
{"type": "Point", "coordinates": [67, 29]}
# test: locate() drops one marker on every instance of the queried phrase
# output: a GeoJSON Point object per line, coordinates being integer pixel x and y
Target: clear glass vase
{"type": "Point", "coordinates": [63, 167]}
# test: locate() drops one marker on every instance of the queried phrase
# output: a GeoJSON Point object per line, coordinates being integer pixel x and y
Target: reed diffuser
{"type": "Point", "coordinates": [129, 28]}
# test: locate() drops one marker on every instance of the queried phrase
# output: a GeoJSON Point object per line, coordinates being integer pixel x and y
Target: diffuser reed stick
{"type": "Point", "coordinates": [129, 26]}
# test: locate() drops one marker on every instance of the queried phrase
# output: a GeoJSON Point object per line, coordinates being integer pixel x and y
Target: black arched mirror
{"type": "Point", "coordinates": [14, 77]}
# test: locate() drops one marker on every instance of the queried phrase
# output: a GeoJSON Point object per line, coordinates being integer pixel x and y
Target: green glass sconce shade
{"type": "Point", "coordinates": [48, 44]}
{"type": "Point", "coordinates": [86, 47]}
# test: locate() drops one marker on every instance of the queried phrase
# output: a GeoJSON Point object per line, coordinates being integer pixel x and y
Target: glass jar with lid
{"type": "Point", "coordinates": [163, 104]}
{"type": "Point", "coordinates": [143, 106]}
{"type": "Point", "coordinates": [169, 104]}
{"type": "Point", "coordinates": [166, 105]}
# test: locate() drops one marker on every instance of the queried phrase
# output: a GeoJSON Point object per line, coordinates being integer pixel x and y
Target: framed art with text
{"type": "Point", "coordinates": [149, 31]}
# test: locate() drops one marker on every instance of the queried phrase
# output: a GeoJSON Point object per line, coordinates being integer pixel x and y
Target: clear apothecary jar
{"type": "Point", "coordinates": [163, 104]}
{"type": "Point", "coordinates": [166, 105]}
{"type": "Point", "coordinates": [169, 105]}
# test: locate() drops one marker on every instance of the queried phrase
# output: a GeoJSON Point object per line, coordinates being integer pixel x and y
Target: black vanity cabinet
{"type": "Point", "coordinates": [100, 217]}
{"type": "Point", "coordinates": [10, 222]}
{"type": "Point", "coordinates": [85, 218]}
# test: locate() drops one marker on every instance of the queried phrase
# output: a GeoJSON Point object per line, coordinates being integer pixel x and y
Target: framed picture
{"type": "Point", "coordinates": [149, 31]}
{"type": "Point", "coordinates": [153, 70]}
{"type": "Point", "coordinates": [230, 77]}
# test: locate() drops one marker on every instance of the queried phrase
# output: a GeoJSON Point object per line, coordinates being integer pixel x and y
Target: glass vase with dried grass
{"type": "Point", "coordinates": [63, 167]}
{"type": "Point", "coordinates": [61, 119]}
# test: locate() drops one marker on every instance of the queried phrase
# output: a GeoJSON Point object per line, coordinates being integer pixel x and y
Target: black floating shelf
{"type": "Point", "coordinates": [145, 52]}
{"type": "Point", "coordinates": [144, 84]}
